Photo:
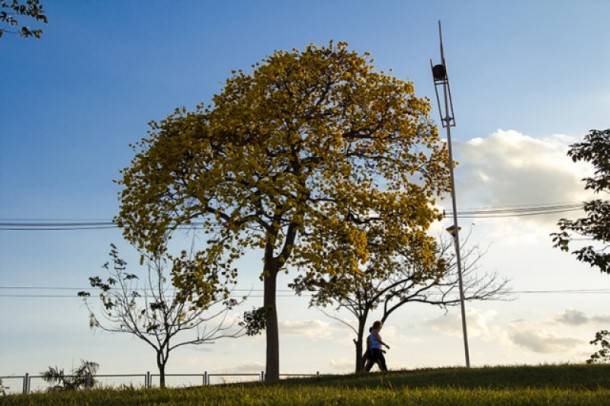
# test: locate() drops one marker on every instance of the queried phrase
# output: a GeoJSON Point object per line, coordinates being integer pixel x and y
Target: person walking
{"type": "Point", "coordinates": [376, 349]}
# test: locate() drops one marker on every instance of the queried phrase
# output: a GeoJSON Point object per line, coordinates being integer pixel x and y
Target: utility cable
{"type": "Point", "coordinates": [481, 213]}
{"type": "Point", "coordinates": [283, 292]}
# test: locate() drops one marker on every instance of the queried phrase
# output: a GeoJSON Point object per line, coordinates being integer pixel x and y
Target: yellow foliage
{"type": "Point", "coordinates": [314, 158]}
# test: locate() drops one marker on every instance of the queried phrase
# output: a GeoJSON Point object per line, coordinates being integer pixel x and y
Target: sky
{"type": "Point", "coordinates": [528, 79]}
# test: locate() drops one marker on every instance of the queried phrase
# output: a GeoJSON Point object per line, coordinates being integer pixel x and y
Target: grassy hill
{"type": "Point", "coordinates": [506, 385]}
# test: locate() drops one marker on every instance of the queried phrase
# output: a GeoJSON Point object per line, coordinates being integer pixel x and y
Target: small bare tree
{"type": "Point", "coordinates": [152, 310]}
{"type": "Point", "coordinates": [400, 281]}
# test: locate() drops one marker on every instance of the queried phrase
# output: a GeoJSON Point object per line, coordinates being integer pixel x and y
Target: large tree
{"type": "Point", "coordinates": [149, 308]}
{"type": "Point", "coordinates": [397, 281]}
{"type": "Point", "coordinates": [282, 160]}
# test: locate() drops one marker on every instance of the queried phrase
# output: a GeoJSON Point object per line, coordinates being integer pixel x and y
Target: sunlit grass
{"type": "Point", "coordinates": [518, 385]}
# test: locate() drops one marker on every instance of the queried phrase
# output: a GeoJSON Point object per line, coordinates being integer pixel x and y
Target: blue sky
{"type": "Point", "coordinates": [528, 78]}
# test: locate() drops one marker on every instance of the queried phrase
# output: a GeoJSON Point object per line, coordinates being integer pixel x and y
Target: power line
{"type": "Point", "coordinates": [518, 211]}
{"type": "Point", "coordinates": [283, 292]}
{"type": "Point", "coordinates": [564, 291]}
{"type": "Point", "coordinates": [24, 225]}
{"type": "Point", "coordinates": [481, 213]}
{"type": "Point", "coordinates": [141, 289]}
{"type": "Point", "coordinates": [40, 296]}
{"type": "Point", "coordinates": [290, 290]}
{"type": "Point", "coordinates": [234, 292]}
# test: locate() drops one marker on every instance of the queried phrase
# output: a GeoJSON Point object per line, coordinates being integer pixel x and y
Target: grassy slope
{"type": "Point", "coordinates": [573, 376]}
{"type": "Point", "coordinates": [527, 385]}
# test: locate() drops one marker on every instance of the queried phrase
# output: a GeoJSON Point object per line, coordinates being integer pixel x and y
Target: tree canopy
{"type": "Point", "coordinates": [594, 149]}
{"type": "Point", "coordinates": [289, 160]}
{"type": "Point", "coordinates": [10, 10]}
{"type": "Point", "coordinates": [399, 281]}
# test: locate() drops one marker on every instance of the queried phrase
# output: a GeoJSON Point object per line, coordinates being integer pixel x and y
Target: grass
{"type": "Point", "coordinates": [573, 384]}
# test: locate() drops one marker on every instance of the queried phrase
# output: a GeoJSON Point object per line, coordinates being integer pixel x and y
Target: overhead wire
{"type": "Point", "coordinates": [282, 292]}
{"type": "Point", "coordinates": [234, 292]}
{"type": "Point", "coordinates": [519, 211]}
{"type": "Point", "coordinates": [50, 225]}
{"type": "Point", "coordinates": [480, 213]}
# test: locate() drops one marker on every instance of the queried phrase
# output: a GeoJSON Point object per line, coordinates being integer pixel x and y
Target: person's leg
{"type": "Point", "coordinates": [381, 361]}
{"type": "Point", "coordinates": [371, 360]}
{"type": "Point", "coordinates": [365, 359]}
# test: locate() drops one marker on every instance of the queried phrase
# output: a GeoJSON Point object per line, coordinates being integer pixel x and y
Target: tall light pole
{"type": "Point", "coordinates": [439, 73]}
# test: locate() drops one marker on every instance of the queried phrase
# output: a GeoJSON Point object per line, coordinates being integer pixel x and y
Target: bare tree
{"type": "Point", "coordinates": [152, 310]}
{"type": "Point", "coordinates": [402, 281]}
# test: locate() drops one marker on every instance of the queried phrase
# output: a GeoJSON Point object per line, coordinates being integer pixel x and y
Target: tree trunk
{"type": "Point", "coordinates": [359, 359]}
{"type": "Point", "coordinates": [273, 341]}
{"type": "Point", "coordinates": [161, 365]}
{"type": "Point", "coordinates": [359, 345]}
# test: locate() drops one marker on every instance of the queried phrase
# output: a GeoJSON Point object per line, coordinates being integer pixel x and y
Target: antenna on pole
{"type": "Point", "coordinates": [441, 79]}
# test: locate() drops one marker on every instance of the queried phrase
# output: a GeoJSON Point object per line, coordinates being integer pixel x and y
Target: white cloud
{"type": "Point", "coordinates": [391, 335]}
{"type": "Point", "coordinates": [603, 319]}
{"type": "Point", "coordinates": [508, 168]}
{"type": "Point", "coordinates": [536, 339]}
{"type": "Point", "coordinates": [449, 324]}
{"type": "Point", "coordinates": [479, 323]}
{"type": "Point", "coordinates": [389, 332]}
{"type": "Point", "coordinates": [315, 330]}
{"type": "Point", "coordinates": [574, 317]}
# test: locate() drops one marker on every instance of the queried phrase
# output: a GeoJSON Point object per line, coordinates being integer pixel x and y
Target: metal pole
{"type": "Point", "coordinates": [456, 236]}
{"type": "Point", "coordinates": [439, 73]}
